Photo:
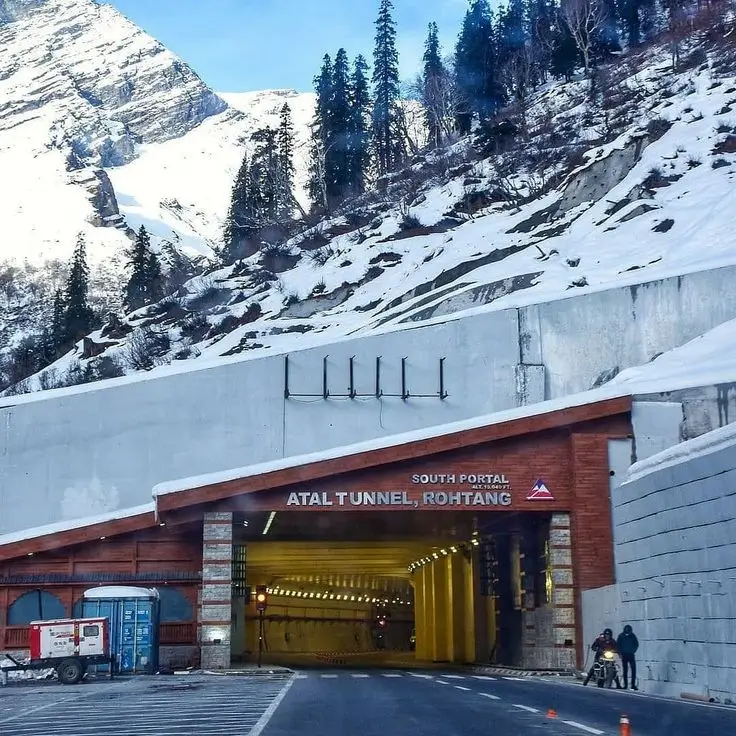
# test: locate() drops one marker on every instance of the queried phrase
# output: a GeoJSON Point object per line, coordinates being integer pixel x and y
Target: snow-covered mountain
{"type": "Point", "coordinates": [631, 188]}
{"type": "Point", "coordinates": [629, 185]}
{"type": "Point", "coordinates": [104, 129]}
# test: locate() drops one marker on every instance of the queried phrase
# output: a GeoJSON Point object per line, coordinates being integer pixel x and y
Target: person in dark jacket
{"type": "Point", "coordinates": [627, 646]}
{"type": "Point", "coordinates": [603, 642]}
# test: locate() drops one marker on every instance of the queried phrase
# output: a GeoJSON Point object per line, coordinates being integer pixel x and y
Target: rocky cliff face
{"type": "Point", "coordinates": [99, 83]}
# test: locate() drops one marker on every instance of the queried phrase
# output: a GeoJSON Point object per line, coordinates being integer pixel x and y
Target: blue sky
{"type": "Point", "coordinates": [243, 45]}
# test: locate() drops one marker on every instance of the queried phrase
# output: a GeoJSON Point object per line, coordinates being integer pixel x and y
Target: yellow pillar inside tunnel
{"type": "Point", "coordinates": [469, 628]}
{"type": "Point", "coordinates": [424, 615]}
{"type": "Point", "coordinates": [455, 609]}
{"type": "Point", "coordinates": [440, 606]}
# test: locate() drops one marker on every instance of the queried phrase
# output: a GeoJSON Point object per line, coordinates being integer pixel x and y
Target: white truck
{"type": "Point", "coordinates": [67, 646]}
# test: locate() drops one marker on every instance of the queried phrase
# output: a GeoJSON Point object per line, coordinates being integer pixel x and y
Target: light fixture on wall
{"type": "Point", "coordinates": [271, 517]}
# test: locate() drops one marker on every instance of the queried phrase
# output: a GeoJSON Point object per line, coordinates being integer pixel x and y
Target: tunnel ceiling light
{"type": "Point", "coordinates": [245, 523]}
{"type": "Point", "coordinates": [163, 523]}
{"type": "Point", "coordinates": [444, 551]}
{"type": "Point", "coordinates": [271, 517]}
{"type": "Point", "coordinates": [453, 549]}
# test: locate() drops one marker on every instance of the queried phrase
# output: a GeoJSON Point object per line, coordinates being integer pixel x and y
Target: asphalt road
{"type": "Point", "coordinates": [348, 703]}
{"type": "Point", "coordinates": [193, 705]}
{"type": "Point", "coordinates": [432, 703]}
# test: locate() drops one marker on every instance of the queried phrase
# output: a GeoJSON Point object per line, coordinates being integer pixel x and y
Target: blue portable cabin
{"type": "Point", "coordinates": [134, 625]}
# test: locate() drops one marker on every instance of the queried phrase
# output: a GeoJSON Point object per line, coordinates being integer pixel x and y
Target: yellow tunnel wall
{"type": "Point", "coordinates": [445, 618]}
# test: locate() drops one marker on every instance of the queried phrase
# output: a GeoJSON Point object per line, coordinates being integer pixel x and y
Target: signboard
{"type": "Point", "coordinates": [397, 498]}
{"type": "Point", "coordinates": [476, 488]}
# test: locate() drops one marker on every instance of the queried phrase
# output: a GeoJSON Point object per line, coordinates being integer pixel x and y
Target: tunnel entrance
{"type": "Point", "coordinates": [356, 589]}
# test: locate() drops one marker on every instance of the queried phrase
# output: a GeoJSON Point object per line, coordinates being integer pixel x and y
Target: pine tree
{"type": "Point", "coordinates": [78, 318]}
{"type": "Point", "coordinates": [541, 33]}
{"type": "Point", "coordinates": [476, 67]}
{"type": "Point", "coordinates": [565, 51]}
{"type": "Point", "coordinates": [239, 226]}
{"type": "Point", "coordinates": [154, 279]}
{"type": "Point", "coordinates": [434, 77]}
{"type": "Point", "coordinates": [338, 116]}
{"type": "Point", "coordinates": [387, 140]}
{"type": "Point", "coordinates": [136, 290]}
{"type": "Point", "coordinates": [57, 322]}
{"type": "Point", "coordinates": [321, 138]}
{"type": "Point", "coordinates": [359, 136]}
{"type": "Point", "coordinates": [285, 142]}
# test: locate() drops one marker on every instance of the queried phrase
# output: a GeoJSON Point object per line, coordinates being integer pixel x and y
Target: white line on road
{"type": "Point", "coordinates": [442, 682]}
{"type": "Point", "coordinates": [582, 727]}
{"type": "Point", "coordinates": [454, 677]}
{"type": "Point", "coordinates": [526, 708]}
{"type": "Point", "coordinates": [483, 677]}
{"type": "Point", "coordinates": [426, 677]}
{"type": "Point", "coordinates": [488, 695]}
{"type": "Point", "coordinates": [266, 717]}
{"type": "Point", "coordinates": [515, 679]}
{"type": "Point", "coordinates": [301, 677]}
{"type": "Point", "coordinates": [460, 687]}
{"type": "Point", "coordinates": [392, 674]}
{"type": "Point", "coordinates": [359, 674]}
{"type": "Point", "coordinates": [330, 677]}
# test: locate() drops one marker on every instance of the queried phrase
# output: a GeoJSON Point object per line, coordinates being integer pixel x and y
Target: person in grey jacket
{"type": "Point", "coordinates": [627, 644]}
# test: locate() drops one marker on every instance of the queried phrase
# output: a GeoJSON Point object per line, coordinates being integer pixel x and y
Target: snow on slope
{"type": "Point", "coordinates": [83, 91]}
{"type": "Point", "coordinates": [180, 189]}
{"type": "Point", "coordinates": [625, 232]}
{"type": "Point", "coordinates": [81, 88]}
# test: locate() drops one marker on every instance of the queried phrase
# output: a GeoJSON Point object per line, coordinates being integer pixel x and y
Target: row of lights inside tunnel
{"type": "Point", "coordinates": [329, 595]}
{"type": "Point", "coordinates": [445, 552]}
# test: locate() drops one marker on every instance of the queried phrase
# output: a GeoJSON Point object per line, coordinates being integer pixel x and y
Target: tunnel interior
{"type": "Point", "coordinates": [347, 587]}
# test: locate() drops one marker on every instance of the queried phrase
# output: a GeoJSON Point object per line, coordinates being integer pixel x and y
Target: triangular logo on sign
{"type": "Point", "coordinates": [540, 492]}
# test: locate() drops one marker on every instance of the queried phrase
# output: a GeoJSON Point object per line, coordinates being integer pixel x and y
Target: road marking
{"type": "Point", "coordinates": [266, 717]}
{"type": "Point", "coordinates": [526, 708]}
{"type": "Point", "coordinates": [488, 695]}
{"type": "Point", "coordinates": [514, 679]}
{"type": "Point", "coordinates": [392, 674]}
{"type": "Point", "coordinates": [460, 687]}
{"type": "Point", "coordinates": [301, 677]}
{"type": "Point", "coordinates": [483, 677]}
{"type": "Point", "coordinates": [360, 674]}
{"type": "Point", "coordinates": [454, 677]}
{"type": "Point", "coordinates": [582, 727]}
{"type": "Point", "coordinates": [442, 682]}
{"type": "Point", "coordinates": [426, 677]}
{"type": "Point", "coordinates": [331, 677]}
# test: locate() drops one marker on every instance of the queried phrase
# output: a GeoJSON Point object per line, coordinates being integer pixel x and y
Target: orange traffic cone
{"type": "Point", "coordinates": [624, 726]}
{"type": "Point", "coordinates": [551, 713]}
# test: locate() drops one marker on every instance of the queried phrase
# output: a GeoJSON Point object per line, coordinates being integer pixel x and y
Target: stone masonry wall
{"type": "Point", "coordinates": [216, 598]}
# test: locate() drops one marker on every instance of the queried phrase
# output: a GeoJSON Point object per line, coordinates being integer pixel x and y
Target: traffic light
{"type": "Point", "coordinates": [261, 598]}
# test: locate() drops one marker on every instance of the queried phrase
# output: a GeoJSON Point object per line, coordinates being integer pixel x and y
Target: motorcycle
{"type": "Point", "coordinates": [605, 671]}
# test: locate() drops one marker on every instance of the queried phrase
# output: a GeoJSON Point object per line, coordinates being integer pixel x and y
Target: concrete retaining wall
{"type": "Point", "coordinates": [91, 449]}
{"type": "Point", "coordinates": [675, 537]}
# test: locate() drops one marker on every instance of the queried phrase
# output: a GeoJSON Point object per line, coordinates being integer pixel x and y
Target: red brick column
{"type": "Point", "coordinates": [591, 524]}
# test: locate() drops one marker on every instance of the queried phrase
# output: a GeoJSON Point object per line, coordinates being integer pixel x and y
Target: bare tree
{"type": "Point", "coordinates": [584, 18]}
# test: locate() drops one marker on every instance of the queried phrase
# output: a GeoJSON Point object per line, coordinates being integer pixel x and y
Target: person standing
{"type": "Point", "coordinates": [627, 646]}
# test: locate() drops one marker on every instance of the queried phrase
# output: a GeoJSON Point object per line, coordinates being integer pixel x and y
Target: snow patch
{"type": "Point", "coordinates": [718, 439]}
{"type": "Point", "coordinates": [82, 523]}
{"type": "Point", "coordinates": [119, 591]}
